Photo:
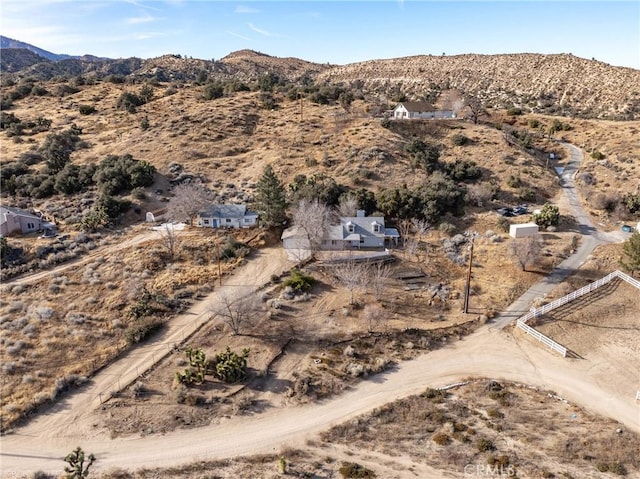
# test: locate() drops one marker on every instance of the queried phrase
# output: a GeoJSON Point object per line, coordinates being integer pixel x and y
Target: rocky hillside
{"type": "Point", "coordinates": [553, 84]}
{"type": "Point", "coordinates": [543, 83]}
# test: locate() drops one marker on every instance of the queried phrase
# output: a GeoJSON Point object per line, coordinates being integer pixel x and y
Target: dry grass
{"type": "Point", "coordinates": [487, 423]}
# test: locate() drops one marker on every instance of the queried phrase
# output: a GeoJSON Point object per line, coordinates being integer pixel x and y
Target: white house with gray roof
{"type": "Point", "coordinates": [353, 232]}
{"type": "Point", "coordinates": [227, 216]}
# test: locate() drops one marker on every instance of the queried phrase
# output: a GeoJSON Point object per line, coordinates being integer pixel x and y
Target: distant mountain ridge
{"type": "Point", "coordinates": [6, 42]}
{"type": "Point", "coordinates": [544, 83]}
{"type": "Point", "coordinates": [9, 43]}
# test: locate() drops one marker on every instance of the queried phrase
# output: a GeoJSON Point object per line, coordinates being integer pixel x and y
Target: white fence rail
{"type": "Point", "coordinates": [542, 338]}
{"type": "Point", "coordinates": [638, 396]}
{"type": "Point", "coordinates": [535, 312]}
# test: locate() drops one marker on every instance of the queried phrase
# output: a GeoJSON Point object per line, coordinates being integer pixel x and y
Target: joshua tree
{"type": "Point", "coordinates": [77, 468]}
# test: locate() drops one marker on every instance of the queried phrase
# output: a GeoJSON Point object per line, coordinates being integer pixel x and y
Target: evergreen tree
{"type": "Point", "coordinates": [631, 250]}
{"type": "Point", "coordinates": [271, 199]}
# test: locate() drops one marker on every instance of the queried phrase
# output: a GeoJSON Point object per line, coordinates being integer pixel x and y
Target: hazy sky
{"type": "Point", "coordinates": [335, 32]}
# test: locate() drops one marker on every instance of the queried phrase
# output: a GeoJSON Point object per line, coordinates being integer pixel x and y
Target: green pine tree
{"type": "Point", "coordinates": [631, 250]}
{"type": "Point", "coordinates": [271, 200]}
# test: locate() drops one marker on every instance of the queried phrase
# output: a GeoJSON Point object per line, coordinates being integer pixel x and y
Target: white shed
{"type": "Point", "coordinates": [523, 230]}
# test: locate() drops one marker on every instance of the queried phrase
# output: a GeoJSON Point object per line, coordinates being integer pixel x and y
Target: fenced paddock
{"type": "Point", "coordinates": [535, 313]}
{"type": "Point", "coordinates": [599, 323]}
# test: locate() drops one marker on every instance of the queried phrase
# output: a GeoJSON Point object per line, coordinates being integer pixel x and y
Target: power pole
{"type": "Point", "coordinates": [468, 288]}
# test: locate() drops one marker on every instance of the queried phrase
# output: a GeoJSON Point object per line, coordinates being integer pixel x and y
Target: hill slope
{"type": "Point", "coordinates": [551, 83]}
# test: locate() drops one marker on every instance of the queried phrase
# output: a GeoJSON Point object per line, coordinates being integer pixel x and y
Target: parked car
{"type": "Point", "coordinates": [520, 210]}
{"type": "Point", "coordinates": [505, 212]}
{"type": "Point", "coordinates": [627, 228]}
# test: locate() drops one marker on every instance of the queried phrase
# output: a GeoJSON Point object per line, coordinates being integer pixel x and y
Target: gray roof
{"type": "Point", "coordinates": [16, 211]}
{"type": "Point", "coordinates": [227, 211]}
{"type": "Point", "coordinates": [363, 226]}
{"type": "Point", "coordinates": [417, 106]}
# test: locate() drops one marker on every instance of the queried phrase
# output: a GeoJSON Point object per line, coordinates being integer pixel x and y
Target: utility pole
{"type": "Point", "coordinates": [468, 288]}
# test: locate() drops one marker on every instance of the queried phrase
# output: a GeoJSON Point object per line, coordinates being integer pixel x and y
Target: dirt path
{"type": "Point", "coordinates": [591, 239]}
{"type": "Point", "coordinates": [487, 353]}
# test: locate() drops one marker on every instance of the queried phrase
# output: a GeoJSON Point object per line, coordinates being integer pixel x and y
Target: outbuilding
{"type": "Point", "coordinates": [523, 230]}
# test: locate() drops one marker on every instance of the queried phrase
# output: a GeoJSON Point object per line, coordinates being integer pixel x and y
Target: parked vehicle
{"type": "Point", "coordinates": [627, 228]}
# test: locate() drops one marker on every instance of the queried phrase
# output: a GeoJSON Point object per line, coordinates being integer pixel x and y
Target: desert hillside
{"type": "Point", "coordinates": [559, 84]}
{"type": "Point", "coordinates": [552, 83]}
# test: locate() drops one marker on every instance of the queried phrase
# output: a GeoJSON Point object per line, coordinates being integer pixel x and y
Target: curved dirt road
{"type": "Point", "coordinates": [487, 353]}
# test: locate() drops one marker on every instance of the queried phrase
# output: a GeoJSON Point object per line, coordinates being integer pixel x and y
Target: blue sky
{"type": "Point", "coordinates": [335, 31]}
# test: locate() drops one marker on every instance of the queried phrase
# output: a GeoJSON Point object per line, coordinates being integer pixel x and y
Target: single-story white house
{"type": "Point", "coordinates": [227, 216]}
{"type": "Point", "coordinates": [420, 109]}
{"type": "Point", "coordinates": [353, 232]}
{"type": "Point", "coordinates": [523, 230]}
{"type": "Point", "coordinates": [15, 220]}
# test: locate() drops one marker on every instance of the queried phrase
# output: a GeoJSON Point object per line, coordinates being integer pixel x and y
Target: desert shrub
{"type": "Point", "coordinates": [299, 281]}
{"type": "Point", "coordinates": [462, 170]}
{"type": "Point", "coordinates": [447, 228]}
{"type": "Point", "coordinates": [86, 109]}
{"type": "Point", "coordinates": [533, 123]}
{"type": "Point", "coordinates": [57, 148]}
{"type": "Point", "coordinates": [425, 155]}
{"type": "Point", "coordinates": [141, 329]}
{"type": "Point", "coordinates": [514, 111]}
{"type": "Point", "coordinates": [441, 439]}
{"type": "Point", "coordinates": [514, 181]}
{"type": "Point", "coordinates": [233, 248]}
{"type": "Point", "coordinates": [435, 395]}
{"type": "Point", "coordinates": [211, 91]}
{"type": "Point", "coordinates": [65, 89]}
{"type": "Point", "coordinates": [484, 445]}
{"type": "Point", "coordinates": [349, 470]}
{"type": "Point", "coordinates": [527, 194]}
{"type": "Point", "coordinates": [631, 202]}
{"type": "Point", "coordinates": [116, 174]}
{"type": "Point", "coordinates": [597, 155]}
{"type": "Point", "coordinates": [459, 139]}
{"type": "Point", "coordinates": [129, 102]}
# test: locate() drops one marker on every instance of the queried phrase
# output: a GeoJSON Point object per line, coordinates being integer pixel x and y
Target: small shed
{"type": "Point", "coordinates": [523, 230]}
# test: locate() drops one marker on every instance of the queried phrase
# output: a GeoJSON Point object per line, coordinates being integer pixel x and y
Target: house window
{"type": "Point", "coordinates": [205, 222]}
{"type": "Point", "coordinates": [30, 226]}
{"type": "Point", "coordinates": [351, 227]}
{"type": "Point", "coordinates": [361, 240]}
{"type": "Point", "coordinates": [376, 228]}
{"type": "Point", "coordinates": [228, 220]}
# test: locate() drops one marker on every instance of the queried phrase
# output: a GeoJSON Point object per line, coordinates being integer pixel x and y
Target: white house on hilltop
{"type": "Point", "coordinates": [420, 110]}
{"type": "Point", "coordinates": [227, 216]}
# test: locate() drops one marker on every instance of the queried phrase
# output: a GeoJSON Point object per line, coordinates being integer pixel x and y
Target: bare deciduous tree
{"type": "Point", "coordinates": [188, 199]}
{"type": "Point", "coordinates": [416, 230]}
{"type": "Point", "coordinates": [313, 218]}
{"type": "Point", "coordinates": [379, 275]}
{"type": "Point", "coordinates": [169, 239]}
{"type": "Point", "coordinates": [348, 206]}
{"type": "Point", "coordinates": [475, 108]}
{"type": "Point", "coordinates": [376, 318]}
{"type": "Point", "coordinates": [237, 309]}
{"type": "Point", "coordinates": [353, 276]}
{"type": "Point", "coordinates": [526, 250]}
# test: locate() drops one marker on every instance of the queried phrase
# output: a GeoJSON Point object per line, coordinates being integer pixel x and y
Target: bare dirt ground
{"type": "Point", "coordinates": [604, 329]}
